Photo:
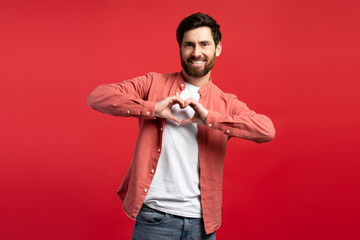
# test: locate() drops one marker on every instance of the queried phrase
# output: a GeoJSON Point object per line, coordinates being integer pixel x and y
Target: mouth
{"type": "Point", "coordinates": [196, 63]}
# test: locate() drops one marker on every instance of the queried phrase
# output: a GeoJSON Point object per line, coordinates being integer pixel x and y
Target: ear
{"type": "Point", "coordinates": [218, 49]}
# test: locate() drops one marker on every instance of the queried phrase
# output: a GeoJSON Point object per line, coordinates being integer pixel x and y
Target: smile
{"type": "Point", "coordinates": [197, 63]}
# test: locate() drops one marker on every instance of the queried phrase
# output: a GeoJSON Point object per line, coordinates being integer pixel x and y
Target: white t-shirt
{"type": "Point", "coordinates": [175, 188]}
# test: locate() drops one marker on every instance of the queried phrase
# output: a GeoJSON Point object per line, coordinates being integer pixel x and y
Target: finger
{"type": "Point", "coordinates": [181, 100]}
{"type": "Point", "coordinates": [177, 100]}
{"type": "Point", "coordinates": [198, 107]}
{"type": "Point", "coordinates": [175, 119]}
{"type": "Point", "coordinates": [187, 121]}
{"type": "Point", "coordinates": [189, 101]}
{"type": "Point", "coordinates": [191, 120]}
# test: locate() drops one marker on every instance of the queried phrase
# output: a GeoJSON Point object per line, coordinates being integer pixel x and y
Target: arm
{"type": "Point", "coordinates": [128, 98]}
{"type": "Point", "coordinates": [242, 123]}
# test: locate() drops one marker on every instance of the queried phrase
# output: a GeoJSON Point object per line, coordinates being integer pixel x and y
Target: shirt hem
{"type": "Point", "coordinates": [180, 214]}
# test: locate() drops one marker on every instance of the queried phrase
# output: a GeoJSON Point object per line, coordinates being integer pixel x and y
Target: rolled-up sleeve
{"type": "Point", "coordinates": [242, 122]}
{"type": "Point", "coordinates": [125, 99]}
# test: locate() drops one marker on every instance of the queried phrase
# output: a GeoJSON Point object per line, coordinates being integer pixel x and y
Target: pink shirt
{"type": "Point", "coordinates": [227, 117]}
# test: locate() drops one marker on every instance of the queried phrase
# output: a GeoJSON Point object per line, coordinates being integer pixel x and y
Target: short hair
{"type": "Point", "coordinates": [197, 20]}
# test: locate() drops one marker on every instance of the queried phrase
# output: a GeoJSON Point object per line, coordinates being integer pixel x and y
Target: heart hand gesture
{"type": "Point", "coordinates": [163, 108]}
{"type": "Point", "coordinates": [200, 112]}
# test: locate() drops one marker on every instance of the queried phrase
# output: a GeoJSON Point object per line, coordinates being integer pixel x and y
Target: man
{"type": "Point", "coordinates": [173, 187]}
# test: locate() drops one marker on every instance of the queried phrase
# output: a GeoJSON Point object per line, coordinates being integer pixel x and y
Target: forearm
{"type": "Point", "coordinates": [109, 99]}
{"type": "Point", "coordinates": [250, 125]}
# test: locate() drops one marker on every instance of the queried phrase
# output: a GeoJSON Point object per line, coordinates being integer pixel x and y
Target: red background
{"type": "Point", "coordinates": [295, 61]}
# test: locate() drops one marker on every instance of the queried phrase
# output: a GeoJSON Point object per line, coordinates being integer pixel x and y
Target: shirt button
{"type": "Point", "coordinates": [210, 124]}
{"type": "Point", "coordinates": [152, 171]}
{"type": "Point", "coordinates": [145, 190]}
{"type": "Point", "coordinates": [128, 111]}
{"type": "Point", "coordinates": [147, 112]}
{"type": "Point", "coordinates": [227, 131]}
{"type": "Point", "coordinates": [160, 129]}
{"type": "Point", "coordinates": [159, 150]}
{"type": "Point", "coordinates": [182, 85]}
{"type": "Point", "coordinates": [177, 93]}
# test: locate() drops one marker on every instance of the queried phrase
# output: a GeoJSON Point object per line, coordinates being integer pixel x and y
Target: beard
{"type": "Point", "coordinates": [195, 71]}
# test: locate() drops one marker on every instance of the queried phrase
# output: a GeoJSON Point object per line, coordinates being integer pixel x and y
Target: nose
{"type": "Point", "coordinates": [197, 51]}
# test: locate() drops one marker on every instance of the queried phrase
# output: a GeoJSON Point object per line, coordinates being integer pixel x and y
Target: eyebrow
{"type": "Point", "coordinates": [205, 41]}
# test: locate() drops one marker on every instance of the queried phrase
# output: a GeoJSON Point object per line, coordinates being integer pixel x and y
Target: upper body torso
{"type": "Point", "coordinates": [227, 117]}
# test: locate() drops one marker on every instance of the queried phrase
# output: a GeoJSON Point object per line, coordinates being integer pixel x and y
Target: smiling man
{"type": "Point", "coordinates": [198, 51]}
{"type": "Point", "coordinates": [173, 187]}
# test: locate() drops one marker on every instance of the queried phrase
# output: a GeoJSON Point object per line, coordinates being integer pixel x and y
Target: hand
{"type": "Point", "coordinates": [163, 108]}
{"type": "Point", "coordinates": [201, 112]}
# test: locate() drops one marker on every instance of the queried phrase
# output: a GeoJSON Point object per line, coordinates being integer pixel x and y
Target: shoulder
{"type": "Point", "coordinates": [227, 102]}
{"type": "Point", "coordinates": [163, 76]}
{"type": "Point", "coordinates": [162, 79]}
{"type": "Point", "coordinates": [216, 91]}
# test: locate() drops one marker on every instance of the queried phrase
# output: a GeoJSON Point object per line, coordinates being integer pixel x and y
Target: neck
{"type": "Point", "coordinates": [199, 82]}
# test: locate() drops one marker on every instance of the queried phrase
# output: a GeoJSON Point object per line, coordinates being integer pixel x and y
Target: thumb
{"type": "Point", "coordinates": [175, 119]}
{"type": "Point", "coordinates": [191, 120]}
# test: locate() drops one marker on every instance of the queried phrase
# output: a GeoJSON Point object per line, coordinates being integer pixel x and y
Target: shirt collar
{"type": "Point", "coordinates": [202, 90]}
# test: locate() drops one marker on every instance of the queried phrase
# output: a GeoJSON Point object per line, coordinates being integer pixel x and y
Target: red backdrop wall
{"type": "Point", "coordinates": [295, 61]}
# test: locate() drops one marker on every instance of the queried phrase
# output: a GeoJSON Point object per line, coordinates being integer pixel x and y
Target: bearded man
{"type": "Point", "coordinates": [173, 187]}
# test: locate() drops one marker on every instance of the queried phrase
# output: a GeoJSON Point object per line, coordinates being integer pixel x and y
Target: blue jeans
{"type": "Point", "coordinates": [151, 224]}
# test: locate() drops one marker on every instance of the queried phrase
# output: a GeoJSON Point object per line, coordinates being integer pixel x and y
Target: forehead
{"type": "Point", "coordinates": [198, 35]}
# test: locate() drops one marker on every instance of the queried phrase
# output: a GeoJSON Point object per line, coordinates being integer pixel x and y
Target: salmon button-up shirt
{"type": "Point", "coordinates": [227, 117]}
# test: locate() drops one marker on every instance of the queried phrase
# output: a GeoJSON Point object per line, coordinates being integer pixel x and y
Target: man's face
{"type": "Point", "coordinates": [198, 52]}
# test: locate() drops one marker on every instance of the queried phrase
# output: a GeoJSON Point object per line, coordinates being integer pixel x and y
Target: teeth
{"type": "Point", "coordinates": [197, 62]}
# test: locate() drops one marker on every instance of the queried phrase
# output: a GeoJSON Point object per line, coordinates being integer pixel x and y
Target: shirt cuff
{"type": "Point", "coordinates": [212, 119]}
{"type": "Point", "coordinates": [148, 110]}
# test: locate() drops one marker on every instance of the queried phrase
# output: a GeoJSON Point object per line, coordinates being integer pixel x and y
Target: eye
{"type": "Point", "coordinates": [188, 44]}
{"type": "Point", "coordinates": [205, 44]}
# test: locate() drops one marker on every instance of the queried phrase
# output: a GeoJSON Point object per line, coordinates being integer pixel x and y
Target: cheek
{"type": "Point", "coordinates": [209, 54]}
{"type": "Point", "coordinates": [185, 54]}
